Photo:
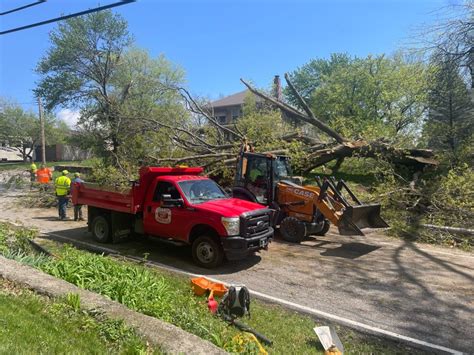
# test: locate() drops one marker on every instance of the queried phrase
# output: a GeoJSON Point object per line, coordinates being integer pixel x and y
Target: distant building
{"type": "Point", "coordinates": [61, 152]}
{"type": "Point", "coordinates": [230, 108]}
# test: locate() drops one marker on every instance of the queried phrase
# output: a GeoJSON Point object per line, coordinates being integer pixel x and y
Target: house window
{"type": "Point", "coordinates": [221, 119]}
{"type": "Point", "coordinates": [236, 113]}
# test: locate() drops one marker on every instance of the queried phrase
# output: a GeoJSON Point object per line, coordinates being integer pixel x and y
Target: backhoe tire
{"type": "Point", "coordinates": [324, 228]}
{"type": "Point", "coordinates": [207, 252]}
{"type": "Point", "coordinates": [101, 229]}
{"type": "Point", "coordinates": [292, 229]}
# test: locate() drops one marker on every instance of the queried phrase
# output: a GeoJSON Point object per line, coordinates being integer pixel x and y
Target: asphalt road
{"type": "Point", "coordinates": [417, 290]}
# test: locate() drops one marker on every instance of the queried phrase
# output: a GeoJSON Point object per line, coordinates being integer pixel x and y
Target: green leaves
{"type": "Point", "coordinates": [449, 126]}
{"type": "Point", "coordinates": [368, 97]}
{"type": "Point", "coordinates": [92, 66]}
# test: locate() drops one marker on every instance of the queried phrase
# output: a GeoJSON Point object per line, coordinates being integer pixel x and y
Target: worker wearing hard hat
{"type": "Point", "coordinates": [33, 170]}
{"type": "Point", "coordinates": [62, 185]}
{"type": "Point", "coordinates": [77, 208]}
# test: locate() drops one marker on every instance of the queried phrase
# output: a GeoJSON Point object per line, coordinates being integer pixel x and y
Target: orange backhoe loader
{"type": "Point", "coordinates": [302, 210]}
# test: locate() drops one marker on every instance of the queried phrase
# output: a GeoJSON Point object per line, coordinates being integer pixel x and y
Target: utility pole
{"type": "Point", "coordinates": [43, 143]}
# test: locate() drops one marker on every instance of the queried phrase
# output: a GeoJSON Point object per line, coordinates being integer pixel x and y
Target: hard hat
{"type": "Point", "coordinates": [77, 174]}
{"type": "Point", "coordinates": [65, 172]}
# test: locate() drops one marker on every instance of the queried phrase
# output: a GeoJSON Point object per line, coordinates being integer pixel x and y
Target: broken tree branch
{"type": "Point", "coordinates": [315, 122]}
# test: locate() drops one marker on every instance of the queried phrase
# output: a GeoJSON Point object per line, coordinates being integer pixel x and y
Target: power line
{"type": "Point", "coordinates": [120, 3]}
{"type": "Point", "coordinates": [22, 7]}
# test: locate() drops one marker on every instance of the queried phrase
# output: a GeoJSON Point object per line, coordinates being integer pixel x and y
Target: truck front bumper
{"type": "Point", "coordinates": [237, 247]}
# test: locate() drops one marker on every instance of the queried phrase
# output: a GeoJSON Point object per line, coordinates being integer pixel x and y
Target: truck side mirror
{"type": "Point", "coordinates": [168, 202]}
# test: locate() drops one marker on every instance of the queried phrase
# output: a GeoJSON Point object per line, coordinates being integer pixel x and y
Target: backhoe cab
{"type": "Point", "coordinates": [302, 210]}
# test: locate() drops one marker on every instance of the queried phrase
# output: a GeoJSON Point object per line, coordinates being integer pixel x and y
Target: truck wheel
{"type": "Point", "coordinates": [324, 228]}
{"type": "Point", "coordinates": [101, 230]}
{"type": "Point", "coordinates": [207, 252]}
{"type": "Point", "coordinates": [292, 229]}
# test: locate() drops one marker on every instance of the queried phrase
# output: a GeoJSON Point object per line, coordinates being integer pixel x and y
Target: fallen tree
{"type": "Point", "coordinates": [228, 140]}
{"type": "Point", "coordinates": [343, 147]}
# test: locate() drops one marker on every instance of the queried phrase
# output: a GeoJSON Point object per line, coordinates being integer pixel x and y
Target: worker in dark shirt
{"type": "Point", "coordinates": [77, 208]}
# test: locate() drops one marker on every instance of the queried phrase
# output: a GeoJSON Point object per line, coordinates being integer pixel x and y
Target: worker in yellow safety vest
{"type": "Point", "coordinates": [33, 170]}
{"type": "Point", "coordinates": [62, 184]}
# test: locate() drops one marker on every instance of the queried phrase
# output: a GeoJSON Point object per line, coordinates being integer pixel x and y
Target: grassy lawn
{"type": "Point", "coordinates": [170, 298]}
{"type": "Point", "coordinates": [30, 324]}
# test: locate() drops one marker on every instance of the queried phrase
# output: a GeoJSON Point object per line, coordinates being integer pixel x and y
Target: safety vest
{"type": "Point", "coordinates": [254, 174]}
{"type": "Point", "coordinates": [62, 184]}
{"type": "Point", "coordinates": [43, 175]}
{"type": "Point", "coordinates": [33, 168]}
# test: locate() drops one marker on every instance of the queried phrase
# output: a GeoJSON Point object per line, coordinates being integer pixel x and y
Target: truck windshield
{"type": "Point", "coordinates": [199, 191]}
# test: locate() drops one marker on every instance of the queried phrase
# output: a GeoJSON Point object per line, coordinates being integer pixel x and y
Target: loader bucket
{"type": "Point", "coordinates": [355, 218]}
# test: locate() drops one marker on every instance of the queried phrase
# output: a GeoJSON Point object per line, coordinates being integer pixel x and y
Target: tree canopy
{"type": "Point", "coordinates": [365, 97]}
{"type": "Point", "coordinates": [21, 129]}
{"type": "Point", "coordinates": [92, 66]}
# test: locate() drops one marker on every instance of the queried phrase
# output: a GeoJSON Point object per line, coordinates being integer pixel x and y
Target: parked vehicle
{"type": "Point", "coordinates": [182, 206]}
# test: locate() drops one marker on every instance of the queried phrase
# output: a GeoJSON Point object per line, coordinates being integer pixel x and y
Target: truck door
{"type": "Point", "coordinates": [167, 222]}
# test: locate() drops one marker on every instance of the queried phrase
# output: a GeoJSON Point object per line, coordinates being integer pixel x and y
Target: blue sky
{"type": "Point", "coordinates": [217, 42]}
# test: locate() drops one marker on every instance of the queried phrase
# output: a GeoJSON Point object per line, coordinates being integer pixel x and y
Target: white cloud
{"type": "Point", "coordinates": [69, 116]}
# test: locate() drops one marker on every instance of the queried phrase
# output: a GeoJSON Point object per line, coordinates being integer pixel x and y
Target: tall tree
{"type": "Point", "coordinates": [450, 122]}
{"type": "Point", "coordinates": [454, 37]}
{"type": "Point", "coordinates": [78, 69]}
{"type": "Point", "coordinates": [92, 66]}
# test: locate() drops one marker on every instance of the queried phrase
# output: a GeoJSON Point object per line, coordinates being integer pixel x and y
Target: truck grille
{"type": "Point", "coordinates": [255, 223]}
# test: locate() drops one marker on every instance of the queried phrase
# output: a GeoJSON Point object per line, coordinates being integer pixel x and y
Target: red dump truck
{"type": "Point", "coordinates": [182, 206]}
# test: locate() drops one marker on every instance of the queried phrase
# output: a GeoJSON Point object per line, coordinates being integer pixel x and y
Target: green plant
{"type": "Point", "coordinates": [26, 258]}
{"type": "Point", "coordinates": [74, 301]}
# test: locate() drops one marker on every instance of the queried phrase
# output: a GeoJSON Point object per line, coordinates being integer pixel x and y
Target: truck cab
{"type": "Point", "coordinates": [180, 205]}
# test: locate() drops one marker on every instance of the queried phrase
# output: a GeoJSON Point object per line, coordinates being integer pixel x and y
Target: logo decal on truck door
{"type": "Point", "coordinates": [163, 215]}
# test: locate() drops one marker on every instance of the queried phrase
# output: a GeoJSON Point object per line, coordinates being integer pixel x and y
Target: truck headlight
{"type": "Point", "coordinates": [231, 225]}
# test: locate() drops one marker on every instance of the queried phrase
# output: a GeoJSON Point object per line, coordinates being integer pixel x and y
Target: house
{"type": "Point", "coordinates": [228, 109]}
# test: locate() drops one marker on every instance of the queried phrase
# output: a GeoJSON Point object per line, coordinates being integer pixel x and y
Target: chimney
{"type": "Point", "coordinates": [277, 88]}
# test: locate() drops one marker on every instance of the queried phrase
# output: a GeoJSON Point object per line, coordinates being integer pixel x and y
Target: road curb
{"type": "Point", "coordinates": [168, 337]}
{"type": "Point", "coordinates": [361, 327]}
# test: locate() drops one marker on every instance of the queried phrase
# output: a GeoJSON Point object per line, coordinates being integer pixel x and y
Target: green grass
{"type": "Point", "coordinates": [30, 324]}
{"type": "Point", "coordinates": [170, 298]}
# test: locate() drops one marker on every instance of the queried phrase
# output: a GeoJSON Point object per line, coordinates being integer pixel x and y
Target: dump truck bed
{"type": "Point", "coordinates": [106, 197]}
{"type": "Point", "coordinates": [126, 201]}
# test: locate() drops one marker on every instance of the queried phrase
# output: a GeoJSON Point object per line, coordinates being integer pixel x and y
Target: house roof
{"type": "Point", "coordinates": [231, 100]}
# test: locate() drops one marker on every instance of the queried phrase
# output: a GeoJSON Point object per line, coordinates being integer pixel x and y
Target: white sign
{"type": "Point", "coordinates": [328, 337]}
